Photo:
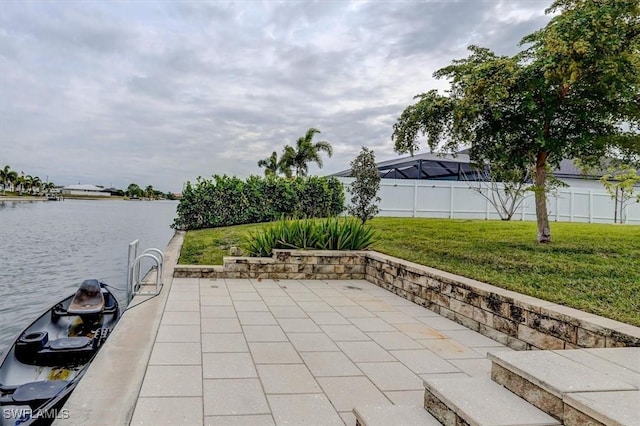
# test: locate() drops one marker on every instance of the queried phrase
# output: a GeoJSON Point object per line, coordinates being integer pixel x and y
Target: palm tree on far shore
{"type": "Point", "coordinates": [27, 182]}
{"type": "Point", "coordinates": [47, 187]}
{"type": "Point", "coordinates": [4, 173]}
{"type": "Point", "coordinates": [305, 152]}
{"type": "Point", "coordinates": [36, 184]}
{"type": "Point", "coordinates": [7, 177]}
{"type": "Point", "coordinates": [18, 184]}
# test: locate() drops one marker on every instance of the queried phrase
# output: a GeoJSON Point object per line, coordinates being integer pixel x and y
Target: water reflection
{"type": "Point", "coordinates": [13, 204]}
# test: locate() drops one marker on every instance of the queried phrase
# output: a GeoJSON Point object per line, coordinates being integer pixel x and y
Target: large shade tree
{"type": "Point", "coordinates": [134, 190]}
{"type": "Point", "coordinates": [573, 92]}
{"type": "Point", "coordinates": [305, 152]}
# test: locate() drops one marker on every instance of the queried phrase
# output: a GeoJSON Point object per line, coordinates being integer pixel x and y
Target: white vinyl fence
{"type": "Point", "coordinates": [453, 199]}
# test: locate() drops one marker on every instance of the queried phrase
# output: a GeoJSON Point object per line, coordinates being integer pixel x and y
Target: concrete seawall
{"type": "Point", "coordinates": [107, 394]}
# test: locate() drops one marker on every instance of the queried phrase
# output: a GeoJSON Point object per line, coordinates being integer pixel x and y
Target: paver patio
{"type": "Point", "coordinates": [254, 352]}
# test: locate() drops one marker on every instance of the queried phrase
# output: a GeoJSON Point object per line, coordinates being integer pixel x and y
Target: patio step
{"type": "Point", "coordinates": [607, 408]}
{"type": "Point", "coordinates": [397, 415]}
{"type": "Point", "coordinates": [479, 401]}
{"type": "Point", "coordinates": [574, 384]}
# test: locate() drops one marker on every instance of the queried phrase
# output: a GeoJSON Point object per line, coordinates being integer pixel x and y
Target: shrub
{"type": "Point", "coordinates": [324, 234]}
{"type": "Point", "coordinates": [226, 201]}
{"type": "Point", "coordinates": [365, 188]}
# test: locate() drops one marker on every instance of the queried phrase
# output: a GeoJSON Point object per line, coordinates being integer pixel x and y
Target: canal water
{"type": "Point", "coordinates": [47, 248]}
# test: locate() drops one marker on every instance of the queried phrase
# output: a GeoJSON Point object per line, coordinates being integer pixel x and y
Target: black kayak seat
{"type": "Point", "coordinates": [67, 343]}
{"type": "Point", "coordinates": [88, 299]}
{"type": "Point", "coordinates": [39, 391]}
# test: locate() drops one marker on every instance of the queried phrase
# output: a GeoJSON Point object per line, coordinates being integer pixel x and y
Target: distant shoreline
{"type": "Point", "coordinates": [67, 197]}
{"type": "Point", "coordinates": [24, 198]}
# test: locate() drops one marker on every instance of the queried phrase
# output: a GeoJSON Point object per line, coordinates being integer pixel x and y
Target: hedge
{"type": "Point", "coordinates": [226, 200]}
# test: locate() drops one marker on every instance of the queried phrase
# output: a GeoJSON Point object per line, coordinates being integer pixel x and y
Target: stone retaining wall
{"type": "Point", "coordinates": [285, 264]}
{"type": "Point", "coordinates": [521, 322]}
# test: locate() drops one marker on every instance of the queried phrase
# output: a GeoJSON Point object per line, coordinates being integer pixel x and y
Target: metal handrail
{"type": "Point", "coordinates": [133, 253]}
{"type": "Point", "coordinates": [161, 254]}
{"type": "Point", "coordinates": [156, 251]}
{"type": "Point", "coordinates": [136, 268]}
{"type": "Point", "coordinates": [134, 281]}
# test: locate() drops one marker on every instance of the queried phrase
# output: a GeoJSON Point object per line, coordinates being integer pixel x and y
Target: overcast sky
{"type": "Point", "coordinates": [161, 92]}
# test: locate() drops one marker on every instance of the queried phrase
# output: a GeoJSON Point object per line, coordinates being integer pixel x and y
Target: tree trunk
{"type": "Point", "coordinates": [615, 209]}
{"type": "Point", "coordinates": [622, 201]}
{"type": "Point", "coordinates": [542, 217]}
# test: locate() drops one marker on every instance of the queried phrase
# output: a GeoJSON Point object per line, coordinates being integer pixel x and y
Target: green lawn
{"type": "Point", "coordinates": [591, 267]}
{"type": "Point", "coordinates": [209, 246]}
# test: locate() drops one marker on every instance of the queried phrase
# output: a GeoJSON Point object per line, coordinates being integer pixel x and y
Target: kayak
{"type": "Point", "coordinates": [48, 359]}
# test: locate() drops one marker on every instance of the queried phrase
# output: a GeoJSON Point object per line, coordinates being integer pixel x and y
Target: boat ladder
{"type": "Point", "coordinates": [138, 284]}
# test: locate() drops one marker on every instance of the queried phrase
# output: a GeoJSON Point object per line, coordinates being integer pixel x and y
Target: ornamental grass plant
{"type": "Point", "coordinates": [322, 234]}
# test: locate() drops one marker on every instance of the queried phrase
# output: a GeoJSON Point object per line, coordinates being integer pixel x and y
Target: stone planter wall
{"type": "Point", "coordinates": [285, 264]}
{"type": "Point", "coordinates": [519, 321]}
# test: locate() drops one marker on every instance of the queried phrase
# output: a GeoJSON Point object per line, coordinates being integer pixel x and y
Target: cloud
{"type": "Point", "coordinates": [159, 93]}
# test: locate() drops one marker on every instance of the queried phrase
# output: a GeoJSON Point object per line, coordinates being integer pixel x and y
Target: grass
{"type": "Point", "coordinates": [209, 246]}
{"type": "Point", "coordinates": [592, 267]}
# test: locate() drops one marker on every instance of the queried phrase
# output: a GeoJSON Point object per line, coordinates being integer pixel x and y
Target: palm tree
{"type": "Point", "coordinates": [8, 178]}
{"type": "Point", "coordinates": [36, 184]}
{"type": "Point", "coordinates": [18, 183]}
{"type": "Point", "coordinates": [12, 179]}
{"type": "Point", "coordinates": [270, 164]}
{"type": "Point", "coordinates": [28, 183]}
{"type": "Point", "coordinates": [4, 177]}
{"type": "Point", "coordinates": [273, 166]}
{"type": "Point", "coordinates": [305, 152]}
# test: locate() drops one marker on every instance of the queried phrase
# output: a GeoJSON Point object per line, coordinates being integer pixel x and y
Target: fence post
{"type": "Point", "coordinates": [590, 205]}
{"type": "Point", "coordinates": [415, 198]}
{"type": "Point", "coordinates": [487, 207]}
{"type": "Point", "coordinates": [451, 201]}
{"type": "Point", "coordinates": [571, 203]}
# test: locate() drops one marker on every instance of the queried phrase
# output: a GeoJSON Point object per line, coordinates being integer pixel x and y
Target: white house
{"type": "Point", "coordinates": [86, 190]}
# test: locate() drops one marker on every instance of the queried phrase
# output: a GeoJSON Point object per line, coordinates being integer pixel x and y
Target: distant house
{"type": "Point", "coordinates": [86, 190]}
{"type": "Point", "coordinates": [114, 191]}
